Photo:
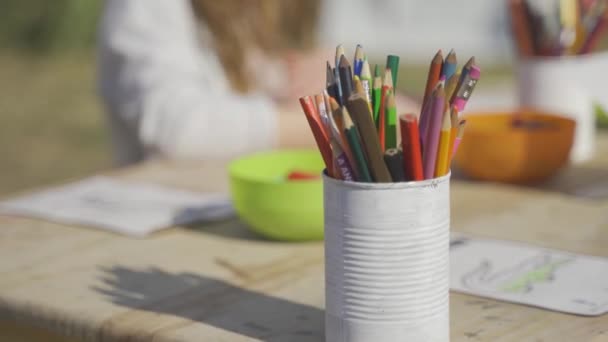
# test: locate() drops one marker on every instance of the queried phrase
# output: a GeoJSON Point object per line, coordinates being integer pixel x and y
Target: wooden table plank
{"type": "Point", "coordinates": [219, 282]}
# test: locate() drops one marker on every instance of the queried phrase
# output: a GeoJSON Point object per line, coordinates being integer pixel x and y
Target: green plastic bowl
{"type": "Point", "coordinates": [273, 206]}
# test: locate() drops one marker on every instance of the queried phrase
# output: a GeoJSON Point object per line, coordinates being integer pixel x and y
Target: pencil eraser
{"type": "Point", "coordinates": [475, 72]}
{"type": "Point", "coordinates": [459, 103]}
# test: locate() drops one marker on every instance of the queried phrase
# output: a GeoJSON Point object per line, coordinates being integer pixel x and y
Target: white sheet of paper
{"type": "Point", "coordinates": [525, 274]}
{"type": "Point", "coordinates": [125, 207]}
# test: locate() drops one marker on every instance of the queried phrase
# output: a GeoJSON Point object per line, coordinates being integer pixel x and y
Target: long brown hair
{"type": "Point", "coordinates": [269, 25]}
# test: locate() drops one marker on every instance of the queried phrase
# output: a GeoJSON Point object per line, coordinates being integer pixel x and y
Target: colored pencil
{"type": "Point", "coordinates": [467, 67]}
{"type": "Point", "coordinates": [341, 161]}
{"type": "Point", "coordinates": [459, 136]}
{"type": "Point", "coordinates": [387, 87]}
{"type": "Point", "coordinates": [323, 113]}
{"type": "Point", "coordinates": [443, 151]}
{"type": "Point", "coordinates": [330, 82]}
{"type": "Point", "coordinates": [391, 122]}
{"type": "Point", "coordinates": [433, 75]}
{"type": "Point", "coordinates": [393, 158]}
{"type": "Point", "coordinates": [360, 137]}
{"type": "Point", "coordinates": [449, 65]}
{"type": "Point", "coordinates": [431, 142]}
{"type": "Point", "coordinates": [337, 123]}
{"type": "Point", "coordinates": [359, 111]}
{"type": "Point", "coordinates": [339, 54]}
{"type": "Point", "coordinates": [346, 78]}
{"type": "Point", "coordinates": [392, 63]}
{"type": "Point", "coordinates": [450, 87]}
{"type": "Point", "coordinates": [318, 132]}
{"type": "Point", "coordinates": [464, 92]}
{"type": "Point", "coordinates": [355, 143]}
{"type": "Point", "coordinates": [329, 75]}
{"type": "Point", "coordinates": [376, 98]}
{"type": "Point", "coordinates": [410, 144]}
{"type": "Point", "coordinates": [366, 81]}
{"type": "Point", "coordinates": [358, 60]}
{"type": "Point", "coordinates": [360, 90]}
{"type": "Point", "coordinates": [455, 121]}
{"type": "Point", "coordinates": [425, 117]}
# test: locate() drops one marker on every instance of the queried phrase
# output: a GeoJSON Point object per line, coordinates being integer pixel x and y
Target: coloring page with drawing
{"type": "Point", "coordinates": [526, 274]}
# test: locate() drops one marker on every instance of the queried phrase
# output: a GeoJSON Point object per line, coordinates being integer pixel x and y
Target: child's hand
{"type": "Point", "coordinates": [306, 72]}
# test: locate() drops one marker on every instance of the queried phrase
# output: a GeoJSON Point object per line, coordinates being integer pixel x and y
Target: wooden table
{"type": "Point", "coordinates": [219, 282]}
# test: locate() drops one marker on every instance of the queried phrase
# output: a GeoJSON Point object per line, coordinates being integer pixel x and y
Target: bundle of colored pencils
{"type": "Point", "coordinates": [558, 27]}
{"type": "Point", "coordinates": [361, 138]}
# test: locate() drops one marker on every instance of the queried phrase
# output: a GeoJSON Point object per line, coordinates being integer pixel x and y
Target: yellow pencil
{"type": "Point", "coordinates": [441, 166]}
{"type": "Point", "coordinates": [453, 131]}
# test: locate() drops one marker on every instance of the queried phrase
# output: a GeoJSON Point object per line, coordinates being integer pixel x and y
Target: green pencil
{"type": "Point", "coordinates": [376, 98]}
{"type": "Point", "coordinates": [355, 145]}
{"type": "Point", "coordinates": [390, 132]}
{"type": "Point", "coordinates": [392, 62]}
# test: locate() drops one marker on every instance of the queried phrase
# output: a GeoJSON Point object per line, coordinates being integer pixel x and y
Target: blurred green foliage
{"type": "Point", "coordinates": [43, 26]}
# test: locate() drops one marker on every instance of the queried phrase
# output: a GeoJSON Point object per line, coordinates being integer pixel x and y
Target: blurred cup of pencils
{"type": "Point", "coordinates": [561, 46]}
{"type": "Point", "coordinates": [570, 85]}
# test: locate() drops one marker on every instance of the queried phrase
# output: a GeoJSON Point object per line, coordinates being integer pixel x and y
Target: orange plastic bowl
{"type": "Point", "coordinates": [527, 146]}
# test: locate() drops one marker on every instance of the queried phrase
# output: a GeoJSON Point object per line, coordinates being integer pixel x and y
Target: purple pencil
{"type": "Point", "coordinates": [342, 161]}
{"type": "Point", "coordinates": [431, 142]}
{"type": "Point", "coordinates": [426, 113]}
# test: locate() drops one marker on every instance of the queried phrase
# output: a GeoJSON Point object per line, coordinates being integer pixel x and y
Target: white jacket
{"type": "Point", "coordinates": [165, 91]}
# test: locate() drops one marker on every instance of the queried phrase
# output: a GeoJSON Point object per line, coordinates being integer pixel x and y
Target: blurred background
{"type": "Point", "coordinates": [51, 123]}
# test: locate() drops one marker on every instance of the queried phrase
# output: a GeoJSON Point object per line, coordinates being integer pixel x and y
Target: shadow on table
{"type": "Point", "coordinates": [218, 220]}
{"type": "Point", "coordinates": [581, 181]}
{"type": "Point", "coordinates": [212, 302]}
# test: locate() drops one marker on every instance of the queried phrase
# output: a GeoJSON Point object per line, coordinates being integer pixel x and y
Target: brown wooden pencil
{"type": "Point", "coordinates": [358, 86]}
{"type": "Point", "coordinates": [359, 112]}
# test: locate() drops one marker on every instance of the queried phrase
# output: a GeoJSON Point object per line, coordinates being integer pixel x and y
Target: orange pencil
{"type": "Point", "coordinates": [318, 132]}
{"type": "Point", "coordinates": [410, 144]}
{"type": "Point", "coordinates": [433, 75]}
{"type": "Point", "coordinates": [386, 87]}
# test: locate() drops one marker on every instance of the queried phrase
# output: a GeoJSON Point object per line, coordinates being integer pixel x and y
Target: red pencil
{"type": "Point", "coordinates": [410, 143]}
{"type": "Point", "coordinates": [318, 132]}
{"type": "Point", "coordinates": [386, 87]}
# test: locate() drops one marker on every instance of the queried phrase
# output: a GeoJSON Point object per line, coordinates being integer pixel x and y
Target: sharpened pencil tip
{"type": "Point", "coordinates": [344, 62]}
